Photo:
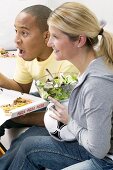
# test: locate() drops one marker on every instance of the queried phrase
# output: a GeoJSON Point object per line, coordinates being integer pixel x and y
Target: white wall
{"type": "Point", "coordinates": [8, 11]}
{"type": "Point", "coordinates": [102, 8]}
{"type": "Point", "coordinates": [10, 8]}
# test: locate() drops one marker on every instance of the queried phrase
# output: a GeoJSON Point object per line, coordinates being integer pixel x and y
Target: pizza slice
{"type": "Point", "coordinates": [18, 102]}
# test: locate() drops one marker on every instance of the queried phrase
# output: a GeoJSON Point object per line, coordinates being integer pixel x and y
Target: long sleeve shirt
{"type": "Point", "coordinates": [90, 109]}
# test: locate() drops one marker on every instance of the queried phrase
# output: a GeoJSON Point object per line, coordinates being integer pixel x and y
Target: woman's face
{"type": "Point", "coordinates": [29, 39]}
{"type": "Point", "coordinates": [63, 47]}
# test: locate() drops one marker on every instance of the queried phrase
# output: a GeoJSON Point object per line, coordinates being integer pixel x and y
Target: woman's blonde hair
{"type": "Point", "coordinates": [74, 19]}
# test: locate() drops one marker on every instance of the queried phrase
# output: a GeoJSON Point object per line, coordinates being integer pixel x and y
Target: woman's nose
{"type": "Point", "coordinates": [49, 43]}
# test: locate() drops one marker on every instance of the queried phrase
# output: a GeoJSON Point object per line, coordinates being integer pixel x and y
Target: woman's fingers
{"type": "Point", "coordinates": [56, 103]}
{"type": "Point", "coordinates": [59, 111]}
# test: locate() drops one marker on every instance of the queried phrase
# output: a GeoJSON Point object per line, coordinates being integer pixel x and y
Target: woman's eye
{"type": "Point", "coordinates": [54, 36]}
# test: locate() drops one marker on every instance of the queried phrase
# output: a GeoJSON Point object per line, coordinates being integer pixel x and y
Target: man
{"type": "Point", "coordinates": [34, 57]}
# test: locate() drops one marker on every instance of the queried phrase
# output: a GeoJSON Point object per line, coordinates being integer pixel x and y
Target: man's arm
{"type": "Point", "coordinates": [7, 83]}
{"type": "Point", "coordinates": [33, 118]}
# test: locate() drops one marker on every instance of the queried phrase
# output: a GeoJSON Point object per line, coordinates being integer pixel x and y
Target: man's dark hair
{"type": "Point", "coordinates": [41, 13]}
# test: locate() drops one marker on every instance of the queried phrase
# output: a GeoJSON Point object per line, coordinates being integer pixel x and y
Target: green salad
{"type": "Point", "coordinates": [58, 87]}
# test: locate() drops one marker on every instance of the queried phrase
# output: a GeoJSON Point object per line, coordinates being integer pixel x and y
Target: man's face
{"type": "Point", "coordinates": [29, 39]}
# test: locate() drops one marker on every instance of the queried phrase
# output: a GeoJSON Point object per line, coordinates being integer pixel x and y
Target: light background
{"type": "Point", "coordinates": [8, 11]}
{"type": "Point", "coordinates": [10, 8]}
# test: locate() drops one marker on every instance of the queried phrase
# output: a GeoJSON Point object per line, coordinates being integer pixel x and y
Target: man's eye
{"type": "Point", "coordinates": [25, 34]}
{"type": "Point", "coordinates": [15, 30]}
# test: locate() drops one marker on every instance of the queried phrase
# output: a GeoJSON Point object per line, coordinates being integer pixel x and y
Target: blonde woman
{"type": "Point", "coordinates": [87, 132]}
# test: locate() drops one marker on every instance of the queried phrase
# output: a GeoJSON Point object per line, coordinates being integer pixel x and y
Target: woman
{"type": "Point", "coordinates": [74, 36]}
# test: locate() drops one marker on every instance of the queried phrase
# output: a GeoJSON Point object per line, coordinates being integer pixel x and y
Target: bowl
{"type": "Point", "coordinates": [58, 86]}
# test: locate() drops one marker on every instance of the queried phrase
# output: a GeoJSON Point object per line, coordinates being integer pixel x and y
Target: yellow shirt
{"type": "Point", "coordinates": [27, 71]}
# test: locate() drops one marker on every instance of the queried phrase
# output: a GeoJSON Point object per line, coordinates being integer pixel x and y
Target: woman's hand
{"type": "Point", "coordinates": [60, 111]}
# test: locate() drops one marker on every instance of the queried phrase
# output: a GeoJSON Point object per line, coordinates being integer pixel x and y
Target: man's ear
{"type": "Point", "coordinates": [46, 36]}
{"type": "Point", "coordinates": [81, 41]}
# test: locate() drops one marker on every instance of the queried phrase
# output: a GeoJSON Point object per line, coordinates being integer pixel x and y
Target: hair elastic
{"type": "Point", "coordinates": [101, 31]}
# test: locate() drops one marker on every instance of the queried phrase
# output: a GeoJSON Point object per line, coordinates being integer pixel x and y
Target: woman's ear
{"type": "Point", "coordinates": [81, 41]}
{"type": "Point", "coordinates": [46, 36]}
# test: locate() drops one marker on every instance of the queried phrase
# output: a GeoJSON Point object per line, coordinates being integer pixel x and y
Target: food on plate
{"type": "Point", "coordinates": [58, 86]}
{"type": "Point", "coordinates": [18, 102]}
{"type": "Point", "coordinates": [4, 53]}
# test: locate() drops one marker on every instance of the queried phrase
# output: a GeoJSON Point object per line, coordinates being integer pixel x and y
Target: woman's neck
{"type": "Point", "coordinates": [83, 60]}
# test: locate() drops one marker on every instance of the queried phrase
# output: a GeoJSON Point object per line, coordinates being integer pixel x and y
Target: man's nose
{"type": "Point", "coordinates": [17, 39]}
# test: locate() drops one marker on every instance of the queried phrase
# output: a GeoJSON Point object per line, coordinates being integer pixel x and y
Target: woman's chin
{"type": "Point", "coordinates": [58, 57]}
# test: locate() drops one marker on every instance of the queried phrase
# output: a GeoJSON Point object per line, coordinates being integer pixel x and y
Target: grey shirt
{"type": "Point", "coordinates": [91, 107]}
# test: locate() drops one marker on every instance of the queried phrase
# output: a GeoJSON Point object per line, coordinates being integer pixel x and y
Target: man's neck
{"type": "Point", "coordinates": [45, 55]}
